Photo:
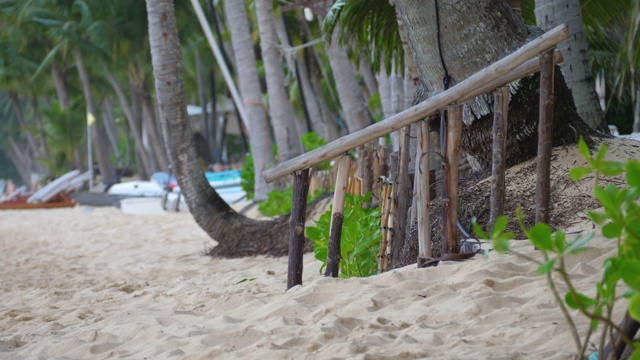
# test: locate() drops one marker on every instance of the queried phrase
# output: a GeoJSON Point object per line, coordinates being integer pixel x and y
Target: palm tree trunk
{"type": "Point", "coordinates": [356, 112]}
{"type": "Point", "coordinates": [283, 119]}
{"type": "Point", "coordinates": [101, 147]}
{"type": "Point", "coordinates": [479, 33]}
{"type": "Point", "coordinates": [149, 118]}
{"type": "Point", "coordinates": [145, 164]}
{"type": "Point", "coordinates": [202, 97]}
{"type": "Point", "coordinates": [576, 67]}
{"type": "Point", "coordinates": [235, 234]}
{"type": "Point", "coordinates": [31, 141]}
{"type": "Point", "coordinates": [39, 124]}
{"type": "Point", "coordinates": [249, 84]}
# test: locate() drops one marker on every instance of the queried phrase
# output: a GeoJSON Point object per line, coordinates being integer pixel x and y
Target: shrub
{"type": "Point", "coordinates": [360, 238]}
{"type": "Point", "coordinates": [620, 221]}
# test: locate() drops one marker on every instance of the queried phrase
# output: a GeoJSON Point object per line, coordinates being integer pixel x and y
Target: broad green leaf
{"type": "Point", "coordinates": [636, 353]}
{"type": "Point", "coordinates": [634, 307]}
{"type": "Point", "coordinates": [559, 241]}
{"type": "Point", "coordinates": [584, 149]}
{"type": "Point", "coordinates": [612, 230]}
{"type": "Point", "coordinates": [313, 233]}
{"type": "Point", "coordinates": [579, 172]}
{"type": "Point", "coordinates": [633, 173]}
{"type": "Point", "coordinates": [574, 299]}
{"type": "Point", "coordinates": [540, 236]}
{"type": "Point", "coordinates": [601, 153]}
{"type": "Point", "coordinates": [477, 229]}
{"type": "Point", "coordinates": [597, 217]}
{"type": "Point", "coordinates": [611, 168]}
{"type": "Point", "coordinates": [500, 225]}
{"type": "Point", "coordinates": [546, 266]}
{"type": "Point", "coordinates": [630, 270]}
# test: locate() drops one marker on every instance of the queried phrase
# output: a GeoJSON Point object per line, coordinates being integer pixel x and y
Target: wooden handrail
{"type": "Point", "coordinates": [508, 69]}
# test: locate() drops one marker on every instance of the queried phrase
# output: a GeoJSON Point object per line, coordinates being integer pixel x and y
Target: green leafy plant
{"type": "Point", "coordinates": [359, 241]}
{"type": "Point", "coordinates": [620, 221]}
{"type": "Point", "coordinates": [279, 202]}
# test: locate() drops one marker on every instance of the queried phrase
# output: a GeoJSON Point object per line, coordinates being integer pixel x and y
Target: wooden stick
{"type": "Point", "coordinates": [426, 108]}
{"type": "Point", "coordinates": [337, 216]}
{"type": "Point", "coordinates": [296, 227]}
{"type": "Point", "coordinates": [454, 132]}
{"type": "Point", "coordinates": [498, 160]}
{"type": "Point", "coordinates": [545, 137]}
{"type": "Point", "coordinates": [385, 203]}
{"type": "Point", "coordinates": [422, 182]}
{"type": "Point", "coordinates": [401, 196]}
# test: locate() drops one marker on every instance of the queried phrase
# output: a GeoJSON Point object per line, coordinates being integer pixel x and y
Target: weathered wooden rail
{"type": "Point", "coordinates": [518, 64]}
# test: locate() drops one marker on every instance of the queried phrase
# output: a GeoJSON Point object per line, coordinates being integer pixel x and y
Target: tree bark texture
{"type": "Point", "coordinates": [545, 133]}
{"type": "Point", "coordinates": [296, 227]}
{"type": "Point", "coordinates": [248, 83]}
{"type": "Point", "coordinates": [236, 235]}
{"type": "Point", "coordinates": [283, 118]}
{"type": "Point", "coordinates": [202, 98]}
{"type": "Point", "coordinates": [474, 34]}
{"type": "Point", "coordinates": [576, 67]}
{"type": "Point", "coordinates": [355, 110]}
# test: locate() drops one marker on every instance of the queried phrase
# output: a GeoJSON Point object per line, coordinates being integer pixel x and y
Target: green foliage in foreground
{"type": "Point", "coordinates": [620, 222]}
{"type": "Point", "coordinates": [279, 202]}
{"type": "Point", "coordinates": [360, 238]}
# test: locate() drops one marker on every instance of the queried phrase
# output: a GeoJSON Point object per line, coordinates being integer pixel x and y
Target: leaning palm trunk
{"type": "Point", "coordinates": [576, 67]}
{"type": "Point", "coordinates": [248, 81]}
{"type": "Point", "coordinates": [236, 235]}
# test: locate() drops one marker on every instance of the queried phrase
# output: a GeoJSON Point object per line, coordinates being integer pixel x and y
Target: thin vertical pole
{"type": "Point", "coordinates": [454, 131]}
{"type": "Point", "coordinates": [422, 182]}
{"type": "Point", "coordinates": [337, 215]}
{"type": "Point", "coordinates": [545, 137]}
{"type": "Point", "coordinates": [498, 159]}
{"type": "Point", "coordinates": [296, 227]}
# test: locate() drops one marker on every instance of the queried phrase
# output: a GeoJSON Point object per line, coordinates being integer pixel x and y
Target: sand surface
{"type": "Point", "coordinates": [93, 283]}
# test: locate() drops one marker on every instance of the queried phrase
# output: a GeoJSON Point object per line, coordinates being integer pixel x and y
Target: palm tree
{"type": "Point", "coordinates": [283, 118]}
{"type": "Point", "coordinates": [249, 84]}
{"type": "Point", "coordinates": [576, 67]}
{"type": "Point", "coordinates": [236, 235]}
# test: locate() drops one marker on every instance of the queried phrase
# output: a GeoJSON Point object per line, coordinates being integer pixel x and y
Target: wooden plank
{"type": "Point", "coordinates": [337, 216]}
{"type": "Point", "coordinates": [296, 227]}
{"type": "Point", "coordinates": [454, 132]}
{"type": "Point", "coordinates": [422, 182]}
{"type": "Point", "coordinates": [498, 156]}
{"type": "Point", "coordinates": [420, 111]}
{"type": "Point", "coordinates": [545, 137]}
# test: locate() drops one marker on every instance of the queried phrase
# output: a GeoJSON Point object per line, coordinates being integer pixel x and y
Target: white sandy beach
{"type": "Point", "coordinates": [93, 283]}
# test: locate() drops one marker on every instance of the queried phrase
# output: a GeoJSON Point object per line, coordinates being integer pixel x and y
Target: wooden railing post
{"type": "Point", "coordinates": [545, 137]}
{"type": "Point", "coordinates": [422, 182]}
{"type": "Point", "coordinates": [498, 158]}
{"type": "Point", "coordinates": [454, 132]}
{"type": "Point", "coordinates": [296, 227]}
{"type": "Point", "coordinates": [337, 216]}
